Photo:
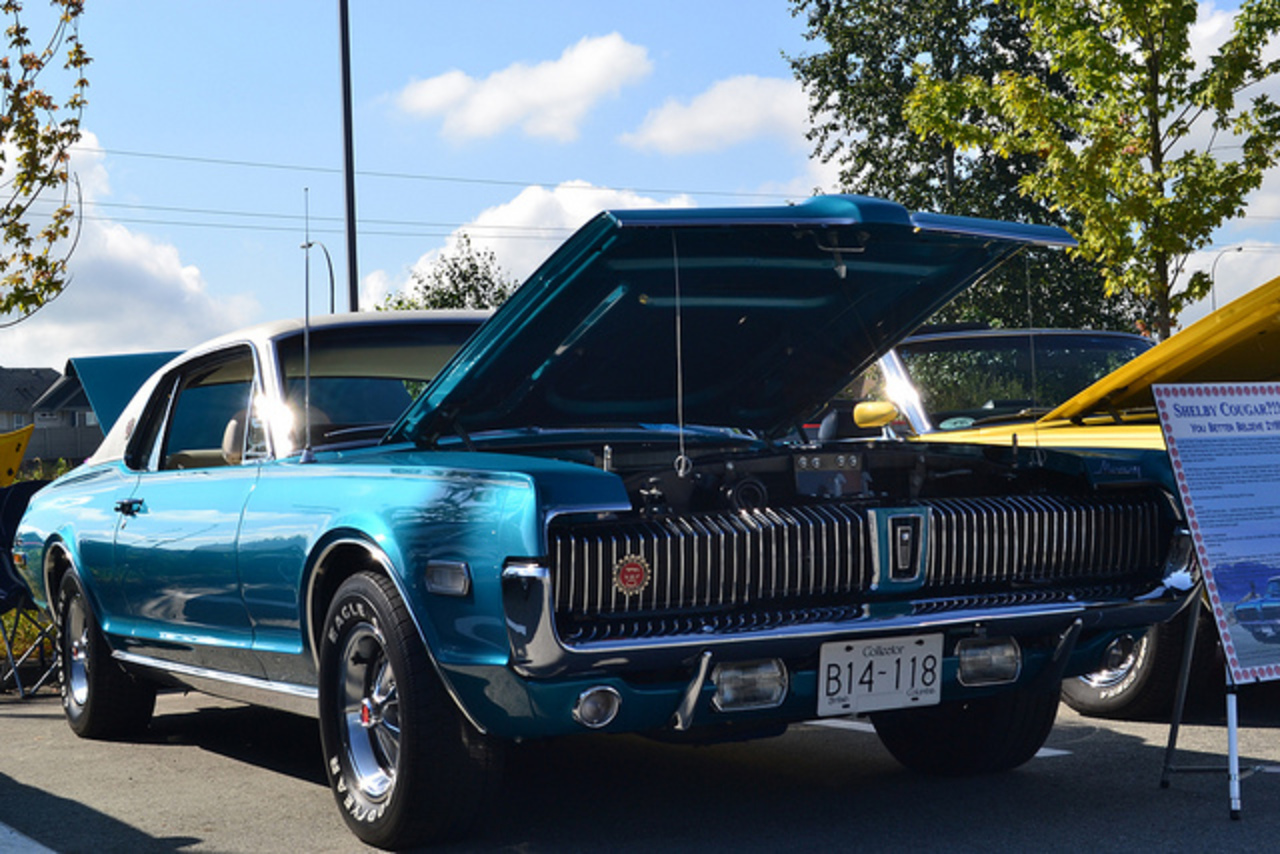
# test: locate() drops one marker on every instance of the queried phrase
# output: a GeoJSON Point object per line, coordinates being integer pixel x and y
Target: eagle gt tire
{"type": "Point", "coordinates": [404, 765]}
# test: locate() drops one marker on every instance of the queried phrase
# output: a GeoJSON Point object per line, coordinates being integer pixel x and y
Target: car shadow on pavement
{"type": "Point", "coordinates": [1258, 706]}
{"type": "Point", "coordinates": [78, 827]}
{"type": "Point", "coordinates": [822, 788]}
{"type": "Point", "coordinates": [277, 741]}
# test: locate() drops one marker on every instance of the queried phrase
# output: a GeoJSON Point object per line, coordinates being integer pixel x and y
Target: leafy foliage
{"type": "Point", "coordinates": [858, 86]}
{"type": "Point", "coordinates": [1135, 152]}
{"type": "Point", "coordinates": [464, 278]}
{"type": "Point", "coordinates": [35, 134]}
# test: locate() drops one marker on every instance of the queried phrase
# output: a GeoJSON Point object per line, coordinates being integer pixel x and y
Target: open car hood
{"type": "Point", "coordinates": [104, 383]}
{"type": "Point", "coordinates": [1239, 342]}
{"type": "Point", "coordinates": [748, 318]}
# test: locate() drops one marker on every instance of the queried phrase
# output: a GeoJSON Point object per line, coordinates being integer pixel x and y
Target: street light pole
{"type": "Point", "coordinates": [348, 161]}
{"type": "Point", "coordinates": [1213, 275]}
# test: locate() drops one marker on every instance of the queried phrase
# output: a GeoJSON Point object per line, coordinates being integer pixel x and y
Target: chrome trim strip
{"type": "Point", "coordinates": [290, 697]}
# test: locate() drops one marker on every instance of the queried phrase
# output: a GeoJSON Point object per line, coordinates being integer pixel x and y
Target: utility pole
{"type": "Point", "coordinates": [349, 161]}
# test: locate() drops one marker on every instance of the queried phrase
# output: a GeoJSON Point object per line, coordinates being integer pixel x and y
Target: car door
{"type": "Point", "coordinates": [175, 543]}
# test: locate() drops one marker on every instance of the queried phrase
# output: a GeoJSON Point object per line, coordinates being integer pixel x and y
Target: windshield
{"type": "Point", "coordinates": [364, 377]}
{"type": "Point", "coordinates": [965, 379]}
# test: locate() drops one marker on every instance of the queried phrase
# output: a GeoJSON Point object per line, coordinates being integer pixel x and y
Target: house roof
{"type": "Point", "coordinates": [102, 383]}
{"type": "Point", "coordinates": [20, 388]}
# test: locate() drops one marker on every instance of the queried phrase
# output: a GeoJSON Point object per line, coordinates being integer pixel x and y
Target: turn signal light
{"type": "Point", "coordinates": [750, 685]}
{"type": "Point", "coordinates": [988, 661]}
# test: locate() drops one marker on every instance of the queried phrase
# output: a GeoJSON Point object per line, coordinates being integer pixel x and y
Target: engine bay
{"type": "Point", "coordinates": [661, 481]}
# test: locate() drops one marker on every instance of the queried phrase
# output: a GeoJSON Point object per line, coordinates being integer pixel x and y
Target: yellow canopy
{"type": "Point", "coordinates": [12, 447]}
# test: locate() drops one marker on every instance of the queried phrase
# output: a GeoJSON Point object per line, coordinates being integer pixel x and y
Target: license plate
{"type": "Point", "coordinates": [873, 675]}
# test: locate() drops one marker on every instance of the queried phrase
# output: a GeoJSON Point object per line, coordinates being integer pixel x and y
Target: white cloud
{"type": "Point", "coordinates": [521, 233]}
{"type": "Point", "coordinates": [548, 100]}
{"type": "Point", "coordinates": [128, 292]}
{"type": "Point", "coordinates": [1236, 270]}
{"type": "Point", "coordinates": [818, 177]}
{"type": "Point", "coordinates": [730, 112]}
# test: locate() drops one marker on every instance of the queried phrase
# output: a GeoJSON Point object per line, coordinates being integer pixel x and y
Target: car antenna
{"type": "Point", "coordinates": [683, 465]}
{"type": "Point", "coordinates": [308, 456]}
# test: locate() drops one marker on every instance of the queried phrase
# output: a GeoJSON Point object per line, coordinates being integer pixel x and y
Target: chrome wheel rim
{"type": "Point", "coordinates": [369, 712]}
{"type": "Point", "coordinates": [75, 652]}
{"type": "Point", "coordinates": [1113, 676]}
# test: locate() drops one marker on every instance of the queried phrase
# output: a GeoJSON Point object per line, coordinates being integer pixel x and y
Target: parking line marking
{"type": "Point", "coordinates": [15, 843]}
{"type": "Point", "coordinates": [845, 723]}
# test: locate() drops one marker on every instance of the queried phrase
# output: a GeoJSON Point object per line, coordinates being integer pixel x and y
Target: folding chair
{"type": "Point", "coordinates": [27, 635]}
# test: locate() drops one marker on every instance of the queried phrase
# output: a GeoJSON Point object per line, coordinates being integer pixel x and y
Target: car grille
{"type": "Point", "coordinates": [762, 568]}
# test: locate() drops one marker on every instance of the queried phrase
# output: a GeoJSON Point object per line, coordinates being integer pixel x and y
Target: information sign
{"type": "Point", "coordinates": [1224, 445]}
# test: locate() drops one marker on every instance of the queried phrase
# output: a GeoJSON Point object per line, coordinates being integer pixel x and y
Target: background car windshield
{"type": "Point", "coordinates": [964, 379]}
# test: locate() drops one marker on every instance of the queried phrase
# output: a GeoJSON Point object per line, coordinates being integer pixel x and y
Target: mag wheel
{"type": "Point", "coordinates": [404, 765]}
{"type": "Point", "coordinates": [1142, 687]}
{"type": "Point", "coordinates": [99, 698]}
{"type": "Point", "coordinates": [978, 736]}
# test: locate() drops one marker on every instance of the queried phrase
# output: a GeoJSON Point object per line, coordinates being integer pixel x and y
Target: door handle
{"type": "Point", "coordinates": [129, 507]}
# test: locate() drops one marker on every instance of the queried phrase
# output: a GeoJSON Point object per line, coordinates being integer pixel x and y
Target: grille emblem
{"type": "Point", "coordinates": [630, 575]}
{"type": "Point", "coordinates": [905, 533]}
{"type": "Point", "coordinates": [901, 537]}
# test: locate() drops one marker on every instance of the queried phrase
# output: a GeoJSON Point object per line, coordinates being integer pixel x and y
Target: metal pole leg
{"type": "Point", "coordinates": [1233, 752]}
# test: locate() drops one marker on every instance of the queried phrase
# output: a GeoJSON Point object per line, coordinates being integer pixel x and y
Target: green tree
{"type": "Point", "coordinates": [858, 85]}
{"type": "Point", "coordinates": [1138, 151]}
{"type": "Point", "coordinates": [36, 132]}
{"type": "Point", "coordinates": [464, 278]}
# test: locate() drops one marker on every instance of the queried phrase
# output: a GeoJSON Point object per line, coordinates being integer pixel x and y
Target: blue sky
{"type": "Point", "coordinates": [213, 125]}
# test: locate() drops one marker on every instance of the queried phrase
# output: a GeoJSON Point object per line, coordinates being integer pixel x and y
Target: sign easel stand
{"type": "Point", "coordinates": [1234, 775]}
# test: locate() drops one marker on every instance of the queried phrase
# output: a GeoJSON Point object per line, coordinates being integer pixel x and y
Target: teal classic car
{"type": "Point", "coordinates": [594, 516]}
{"type": "Point", "coordinates": [1260, 615]}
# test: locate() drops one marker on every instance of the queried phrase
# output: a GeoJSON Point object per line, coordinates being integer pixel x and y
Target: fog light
{"type": "Point", "coordinates": [1118, 652]}
{"type": "Point", "coordinates": [749, 685]}
{"type": "Point", "coordinates": [988, 661]}
{"type": "Point", "coordinates": [597, 707]}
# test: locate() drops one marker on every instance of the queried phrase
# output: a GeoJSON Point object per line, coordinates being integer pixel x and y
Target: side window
{"type": "Point", "coordinates": [199, 416]}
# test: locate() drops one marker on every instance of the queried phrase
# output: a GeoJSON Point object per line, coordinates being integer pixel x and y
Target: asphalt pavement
{"type": "Point", "coordinates": [215, 776]}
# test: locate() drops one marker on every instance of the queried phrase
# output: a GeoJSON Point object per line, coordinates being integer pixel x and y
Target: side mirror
{"type": "Point", "coordinates": [875, 413]}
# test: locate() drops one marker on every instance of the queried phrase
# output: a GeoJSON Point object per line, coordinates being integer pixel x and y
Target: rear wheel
{"type": "Point", "coordinates": [979, 736]}
{"type": "Point", "coordinates": [404, 765]}
{"type": "Point", "coordinates": [99, 698]}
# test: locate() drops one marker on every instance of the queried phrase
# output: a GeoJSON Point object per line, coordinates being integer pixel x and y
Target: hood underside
{"type": "Point", "coordinates": [748, 318]}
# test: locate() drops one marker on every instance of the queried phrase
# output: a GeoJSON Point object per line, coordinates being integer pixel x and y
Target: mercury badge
{"type": "Point", "coordinates": [630, 575]}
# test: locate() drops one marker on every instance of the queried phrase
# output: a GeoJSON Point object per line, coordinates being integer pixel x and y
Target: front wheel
{"type": "Point", "coordinates": [404, 765]}
{"type": "Point", "coordinates": [964, 737]}
{"type": "Point", "coordinates": [98, 697]}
